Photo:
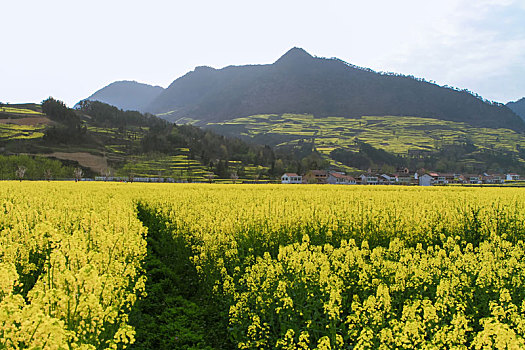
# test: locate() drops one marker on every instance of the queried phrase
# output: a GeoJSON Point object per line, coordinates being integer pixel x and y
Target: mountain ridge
{"type": "Point", "coordinates": [518, 107]}
{"type": "Point", "coordinates": [127, 95]}
{"type": "Point", "coordinates": [300, 83]}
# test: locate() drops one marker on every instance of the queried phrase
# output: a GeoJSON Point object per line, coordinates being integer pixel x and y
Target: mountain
{"type": "Point", "coordinates": [518, 107]}
{"type": "Point", "coordinates": [127, 95]}
{"type": "Point", "coordinates": [299, 83]}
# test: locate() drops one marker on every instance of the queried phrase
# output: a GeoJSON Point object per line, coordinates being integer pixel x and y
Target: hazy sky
{"type": "Point", "coordinates": [69, 49]}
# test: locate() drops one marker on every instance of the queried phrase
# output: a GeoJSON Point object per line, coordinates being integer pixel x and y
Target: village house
{"type": "Point", "coordinates": [513, 177]}
{"type": "Point", "coordinates": [291, 178]}
{"type": "Point", "coordinates": [471, 179]}
{"type": "Point", "coordinates": [404, 177]}
{"type": "Point", "coordinates": [446, 178]}
{"type": "Point", "coordinates": [434, 175]}
{"type": "Point", "coordinates": [316, 177]}
{"type": "Point", "coordinates": [493, 178]}
{"type": "Point", "coordinates": [369, 179]}
{"type": "Point", "coordinates": [388, 179]}
{"type": "Point", "coordinates": [426, 180]}
{"type": "Point", "coordinates": [336, 178]}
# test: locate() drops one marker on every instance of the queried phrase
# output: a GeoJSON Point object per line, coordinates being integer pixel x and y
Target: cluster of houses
{"type": "Point", "coordinates": [402, 177]}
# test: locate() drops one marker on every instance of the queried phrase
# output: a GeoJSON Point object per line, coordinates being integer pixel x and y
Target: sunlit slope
{"type": "Point", "coordinates": [24, 121]}
{"type": "Point", "coordinates": [394, 134]}
{"type": "Point", "coordinates": [179, 166]}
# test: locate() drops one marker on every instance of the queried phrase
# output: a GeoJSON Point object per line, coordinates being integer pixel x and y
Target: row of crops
{"type": "Point", "coordinates": [103, 265]}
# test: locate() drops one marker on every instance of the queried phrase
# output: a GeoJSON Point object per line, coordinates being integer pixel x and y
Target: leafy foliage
{"type": "Point", "coordinates": [59, 112]}
{"type": "Point", "coordinates": [367, 157]}
{"type": "Point", "coordinates": [108, 116]}
{"type": "Point", "coordinates": [35, 168]}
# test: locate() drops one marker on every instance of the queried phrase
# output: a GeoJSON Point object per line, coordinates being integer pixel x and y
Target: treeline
{"type": "Point", "coordinates": [462, 157]}
{"type": "Point", "coordinates": [368, 156]}
{"type": "Point", "coordinates": [58, 111]}
{"type": "Point", "coordinates": [25, 167]}
{"type": "Point", "coordinates": [108, 116]}
{"type": "Point", "coordinates": [468, 158]}
{"type": "Point", "coordinates": [69, 128]}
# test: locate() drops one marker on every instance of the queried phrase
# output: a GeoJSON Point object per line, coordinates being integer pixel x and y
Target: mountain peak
{"type": "Point", "coordinates": [127, 95]}
{"type": "Point", "coordinates": [295, 54]}
{"type": "Point", "coordinates": [518, 107]}
{"type": "Point", "coordinates": [204, 69]}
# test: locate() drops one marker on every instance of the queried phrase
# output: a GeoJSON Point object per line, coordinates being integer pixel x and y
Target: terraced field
{"type": "Point", "coordinates": [391, 133]}
{"type": "Point", "coordinates": [21, 122]}
{"type": "Point", "coordinates": [14, 131]}
{"type": "Point", "coordinates": [104, 148]}
{"type": "Point", "coordinates": [178, 167]}
{"type": "Point", "coordinates": [23, 110]}
{"type": "Point", "coordinates": [182, 167]}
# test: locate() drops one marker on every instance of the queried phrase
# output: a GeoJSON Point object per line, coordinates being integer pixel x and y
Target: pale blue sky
{"type": "Point", "coordinates": [69, 49]}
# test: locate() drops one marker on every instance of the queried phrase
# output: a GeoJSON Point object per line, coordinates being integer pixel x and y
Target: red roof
{"type": "Point", "coordinates": [341, 176]}
{"type": "Point", "coordinates": [290, 174]}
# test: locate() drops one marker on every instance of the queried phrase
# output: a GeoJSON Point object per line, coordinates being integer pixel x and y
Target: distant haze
{"type": "Point", "coordinates": [127, 95]}
{"type": "Point", "coordinates": [69, 49]}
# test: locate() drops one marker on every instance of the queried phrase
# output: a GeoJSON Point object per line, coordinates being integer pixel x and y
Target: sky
{"type": "Point", "coordinates": [70, 49]}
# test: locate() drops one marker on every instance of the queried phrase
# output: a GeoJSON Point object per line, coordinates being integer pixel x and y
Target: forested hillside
{"type": "Point", "coordinates": [299, 83]}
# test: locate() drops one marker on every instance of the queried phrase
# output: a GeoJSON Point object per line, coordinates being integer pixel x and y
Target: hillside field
{"type": "Point", "coordinates": [392, 133]}
{"type": "Point", "coordinates": [105, 141]}
{"type": "Point", "coordinates": [203, 266]}
{"type": "Point", "coordinates": [109, 145]}
{"type": "Point", "coordinates": [401, 136]}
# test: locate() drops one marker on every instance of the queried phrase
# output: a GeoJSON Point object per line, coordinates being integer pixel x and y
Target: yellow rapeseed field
{"type": "Point", "coordinates": [298, 267]}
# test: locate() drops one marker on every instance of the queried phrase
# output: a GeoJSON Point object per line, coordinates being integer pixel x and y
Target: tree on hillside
{"type": "Point", "coordinates": [78, 174]}
{"type": "Point", "coordinates": [47, 174]}
{"type": "Point", "coordinates": [58, 111]}
{"type": "Point", "coordinates": [234, 177]}
{"type": "Point", "coordinates": [20, 172]}
{"type": "Point", "coordinates": [210, 177]}
{"type": "Point", "coordinates": [106, 173]}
